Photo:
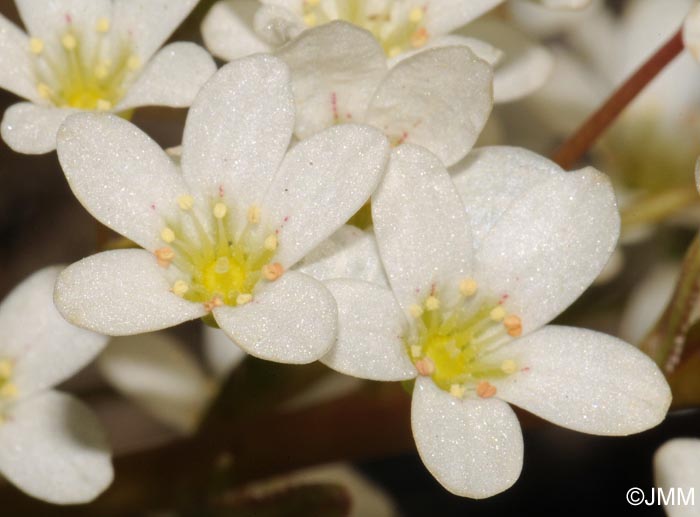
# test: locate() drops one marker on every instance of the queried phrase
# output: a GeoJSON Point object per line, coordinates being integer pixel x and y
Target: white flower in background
{"type": "Point", "coordinates": [220, 237]}
{"type": "Point", "coordinates": [677, 466]}
{"type": "Point", "coordinates": [51, 445]}
{"type": "Point", "coordinates": [469, 302]}
{"type": "Point", "coordinates": [440, 98]}
{"type": "Point", "coordinates": [98, 55]}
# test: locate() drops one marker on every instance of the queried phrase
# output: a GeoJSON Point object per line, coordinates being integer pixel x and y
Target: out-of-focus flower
{"type": "Point", "coordinates": [51, 445]}
{"type": "Point", "coordinates": [96, 55]}
{"type": "Point", "coordinates": [439, 98]}
{"type": "Point", "coordinates": [677, 468]}
{"type": "Point", "coordinates": [219, 238]}
{"type": "Point", "coordinates": [470, 298]}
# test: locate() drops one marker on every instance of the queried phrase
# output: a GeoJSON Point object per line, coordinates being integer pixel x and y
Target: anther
{"type": "Point", "coordinates": [9, 391]}
{"type": "Point", "coordinates": [416, 311]}
{"type": "Point", "coordinates": [271, 242]}
{"type": "Point", "coordinates": [310, 19]}
{"type": "Point", "coordinates": [101, 71]}
{"type": "Point", "coordinates": [167, 235]}
{"type": "Point", "coordinates": [394, 51]}
{"type": "Point", "coordinates": [164, 256]}
{"type": "Point", "coordinates": [415, 15]}
{"type": "Point", "coordinates": [425, 366]}
{"type": "Point", "coordinates": [419, 38]}
{"type": "Point", "coordinates": [513, 325]}
{"type": "Point", "coordinates": [254, 214]}
{"type": "Point", "coordinates": [273, 271]}
{"type": "Point", "coordinates": [497, 313]}
{"type": "Point", "coordinates": [180, 288]}
{"type": "Point", "coordinates": [312, 3]}
{"type": "Point", "coordinates": [468, 287]}
{"type": "Point", "coordinates": [213, 303]}
{"type": "Point", "coordinates": [457, 390]}
{"type": "Point", "coordinates": [69, 41]}
{"type": "Point", "coordinates": [133, 63]}
{"type": "Point", "coordinates": [44, 90]}
{"type": "Point", "coordinates": [185, 202]}
{"type": "Point", "coordinates": [509, 366]}
{"type": "Point", "coordinates": [103, 25]}
{"type": "Point", "coordinates": [244, 298]}
{"type": "Point", "coordinates": [36, 45]}
{"type": "Point", "coordinates": [103, 105]}
{"type": "Point", "coordinates": [416, 351]}
{"type": "Point", "coordinates": [5, 369]}
{"type": "Point", "coordinates": [432, 303]}
{"type": "Point", "coordinates": [485, 390]}
{"type": "Point", "coordinates": [220, 210]}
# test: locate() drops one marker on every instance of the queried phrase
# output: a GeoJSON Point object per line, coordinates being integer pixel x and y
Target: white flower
{"type": "Point", "coordinates": [469, 302]}
{"type": "Point", "coordinates": [98, 55]}
{"type": "Point", "coordinates": [222, 235]}
{"type": "Point", "coordinates": [439, 98]}
{"type": "Point", "coordinates": [51, 445]}
{"type": "Point", "coordinates": [677, 466]}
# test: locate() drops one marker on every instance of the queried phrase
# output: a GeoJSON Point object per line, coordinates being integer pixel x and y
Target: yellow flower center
{"type": "Point", "coordinates": [398, 25]}
{"type": "Point", "coordinates": [72, 74]}
{"type": "Point", "coordinates": [8, 390]}
{"type": "Point", "coordinates": [215, 263]}
{"type": "Point", "coordinates": [452, 345]}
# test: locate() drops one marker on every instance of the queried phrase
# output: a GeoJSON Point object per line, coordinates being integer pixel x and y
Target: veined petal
{"type": "Point", "coordinates": [228, 30]}
{"type": "Point", "coordinates": [277, 25]}
{"type": "Point", "coordinates": [31, 129]}
{"type": "Point", "coordinates": [321, 183]}
{"type": "Point", "coordinates": [172, 78]}
{"type": "Point", "coordinates": [291, 320]}
{"type": "Point", "coordinates": [677, 467]}
{"type": "Point", "coordinates": [55, 449]}
{"type": "Point", "coordinates": [222, 354]}
{"type": "Point", "coordinates": [348, 253]}
{"type": "Point", "coordinates": [439, 98]}
{"type": "Point", "coordinates": [120, 175]}
{"type": "Point", "coordinates": [335, 70]}
{"type": "Point", "coordinates": [370, 333]}
{"type": "Point", "coordinates": [121, 292]}
{"type": "Point", "coordinates": [150, 22]}
{"type": "Point", "coordinates": [161, 376]}
{"type": "Point", "coordinates": [16, 74]}
{"type": "Point", "coordinates": [490, 179]}
{"type": "Point", "coordinates": [42, 346]}
{"type": "Point", "coordinates": [473, 447]}
{"type": "Point", "coordinates": [443, 16]}
{"type": "Point", "coordinates": [49, 19]}
{"type": "Point", "coordinates": [550, 245]}
{"type": "Point", "coordinates": [238, 131]}
{"type": "Point", "coordinates": [422, 233]}
{"type": "Point", "coordinates": [584, 380]}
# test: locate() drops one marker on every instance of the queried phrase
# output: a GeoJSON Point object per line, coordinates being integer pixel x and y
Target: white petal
{"type": "Point", "coordinates": [321, 183]}
{"type": "Point", "coordinates": [222, 354]}
{"type": "Point", "coordinates": [149, 22]}
{"type": "Point", "coordinates": [564, 4]}
{"type": "Point", "coordinates": [439, 98]}
{"type": "Point", "coordinates": [121, 292]}
{"type": "Point", "coordinates": [228, 30]}
{"type": "Point", "coordinates": [44, 348]}
{"type": "Point", "coordinates": [473, 447]}
{"type": "Point", "coordinates": [677, 468]}
{"type": "Point", "coordinates": [55, 449]}
{"type": "Point", "coordinates": [443, 16]}
{"type": "Point", "coordinates": [584, 380]}
{"type": "Point", "coordinates": [120, 175]}
{"type": "Point", "coordinates": [483, 50]}
{"type": "Point", "coordinates": [335, 70]}
{"type": "Point", "coordinates": [277, 25]}
{"type": "Point", "coordinates": [422, 233]}
{"type": "Point", "coordinates": [16, 73]}
{"type": "Point", "coordinates": [161, 376]}
{"type": "Point", "coordinates": [238, 130]}
{"type": "Point", "coordinates": [172, 78]}
{"type": "Point", "coordinates": [348, 253]}
{"type": "Point", "coordinates": [291, 320]}
{"type": "Point", "coordinates": [370, 333]}
{"type": "Point", "coordinates": [48, 20]}
{"type": "Point", "coordinates": [490, 179]}
{"type": "Point", "coordinates": [691, 32]}
{"type": "Point", "coordinates": [31, 129]}
{"type": "Point", "coordinates": [550, 245]}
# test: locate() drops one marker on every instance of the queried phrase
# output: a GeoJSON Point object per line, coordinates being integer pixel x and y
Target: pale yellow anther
{"type": "Point", "coordinates": [254, 214]}
{"type": "Point", "coordinates": [164, 256]}
{"type": "Point", "coordinates": [133, 63]}
{"type": "Point", "coordinates": [271, 242]}
{"type": "Point", "coordinates": [185, 202]}
{"type": "Point", "coordinates": [180, 288]}
{"type": "Point", "coordinates": [44, 90]}
{"type": "Point", "coordinates": [213, 304]}
{"type": "Point", "coordinates": [419, 38]}
{"type": "Point", "coordinates": [310, 19]}
{"type": "Point", "coordinates": [167, 235]}
{"type": "Point", "coordinates": [103, 105]}
{"type": "Point", "coordinates": [457, 390]}
{"type": "Point", "coordinates": [509, 366]}
{"type": "Point", "coordinates": [222, 265]}
{"type": "Point", "coordinates": [244, 298]}
{"type": "Point", "coordinates": [273, 271]}
{"type": "Point", "coordinates": [415, 15]}
{"type": "Point", "coordinates": [313, 3]}
{"type": "Point", "coordinates": [497, 313]}
{"type": "Point", "coordinates": [9, 391]}
{"type": "Point", "coordinates": [514, 325]}
{"type": "Point", "coordinates": [416, 351]}
{"type": "Point", "coordinates": [432, 303]}
{"type": "Point", "coordinates": [103, 25]}
{"type": "Point", "coordinates": [220, 210]}
{"type": "Point", "coordinates": [69, 41]}
{"type": "Point", "coordinates": [5, 369]}
{"type": "Point", "coordinates": [468, 287]}
{"type": "Point", "coordinates": [101, 71]}
{"type": "Point", "coordinates": [416, 311]}
{"type": "Point", "coordinates": [394, 51]}
{"type": "Point", "coordinates": [425, 366]}
{"type": "Point", "coordinates": [36, 45]}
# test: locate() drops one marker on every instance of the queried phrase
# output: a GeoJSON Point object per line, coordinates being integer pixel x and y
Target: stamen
{"type": "Point", "coordinates": [432, 303]}
{"type": "Point", "coordinates": [457, 390]}
{"type": "Point", "coordinates": [103, 25]}
{"type": "Point", "coordinates": [36, 46]}
{"type": "Point", "coordinates": [514, 325]}
{"type": "Point", "coordinates": [271, 242]}
{"type": "Point", "coordinates": [419, 38]}
{"type": "Point", "coordinates": [180, 288]}
{"type": "Point", "coordinates": [185, 202]}
{"type": "Point", "coordinates": [244, 298]}
{"type": "Point", "coordinates": [133, 63]}
{"type": "Point", "coordinates": [102, 71]}
{"type": "Point", "coordinates": [167, 235]}
{"type": "Point", "coordinates": [509, 366]}
{"type": "Point", "coordinates": [165, 256]}
{"type": "Point", "coordinates": [44, 90]}
{"type": "Point", "coordinates": [394, 51]}
{"type": "Point", "coordinates": [310, 19]}
{"type": "Point", "coordinates": [416, 311]}
{"type": "Point", "coordinates": [415, 15]}
{"type": "Point", "coordinates": [69, 41]}
{"type": "Point", "coordinates": [103, 105]}
{"type": "Point", "coordinates": [497, 313]}
{"type": "Point", "coordinates": [425, 366]}
{"type": "Point", "coordinates": [485, 390]}
{"type": "Point", "coordinates": [5, 369]}
{"type": "Point", "coordinates": [273, 271]}
{"type": "Point", "coordinates": [468, 287]}
{"type": "Point", "coordinates": [254, 214]}
{"type": "Point", "coordinates": [9, 391]}
{"type": "Point", "coordinates": [220, 210]}
{"type": "Point", "coordinates": [416, 351]}
{"type": "Point", "coordinates": [213, 303]}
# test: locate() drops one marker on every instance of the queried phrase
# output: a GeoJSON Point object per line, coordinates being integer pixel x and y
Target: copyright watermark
{"type": "Point", "coordinates": [661, 496]}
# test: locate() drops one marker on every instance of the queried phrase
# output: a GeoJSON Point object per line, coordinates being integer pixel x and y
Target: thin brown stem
{"type": "Point", "coordinates": [571, 151]}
